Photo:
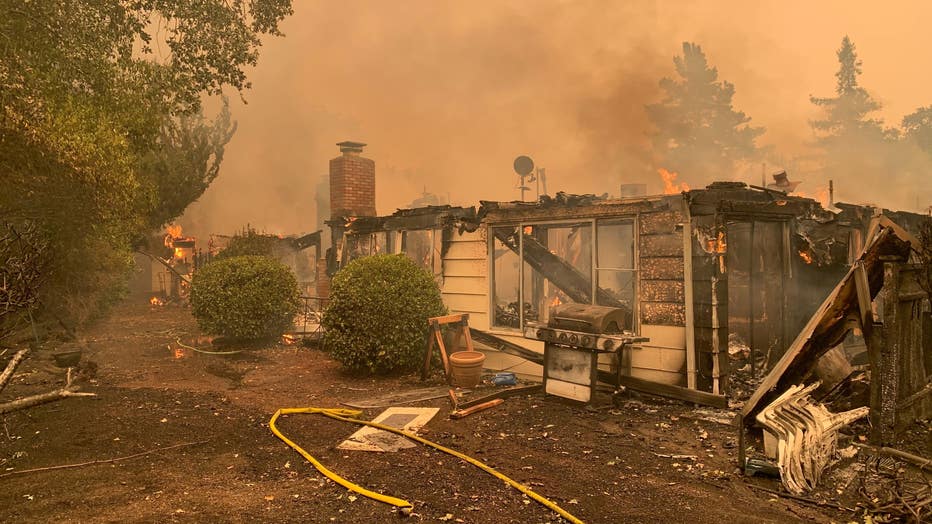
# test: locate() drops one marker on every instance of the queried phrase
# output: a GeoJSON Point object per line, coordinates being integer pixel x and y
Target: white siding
{"type": "Point", "coordinates": [465, 277]}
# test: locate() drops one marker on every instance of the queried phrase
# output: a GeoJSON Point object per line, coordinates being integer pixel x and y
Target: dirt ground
{"type": "Point", "coordinates": [603, 463]}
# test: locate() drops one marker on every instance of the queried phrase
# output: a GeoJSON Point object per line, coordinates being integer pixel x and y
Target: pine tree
{"type": "Point", "coordinates": [847, 113]}
{"type": "Point", "coordinates": [699, 134]}
{"type": "Point", "coordinates": [917, 128]}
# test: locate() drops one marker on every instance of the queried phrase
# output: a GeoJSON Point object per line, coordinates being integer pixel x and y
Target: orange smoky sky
{"type": "Point", "coordinates": [446, 94]}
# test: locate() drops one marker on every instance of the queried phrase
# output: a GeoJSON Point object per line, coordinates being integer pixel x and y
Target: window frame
{"type": "Point", "coordinates": [594, 267]}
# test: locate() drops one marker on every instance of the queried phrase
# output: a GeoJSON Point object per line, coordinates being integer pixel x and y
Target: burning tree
{"type": "Point", "coordinates": [699, 134]}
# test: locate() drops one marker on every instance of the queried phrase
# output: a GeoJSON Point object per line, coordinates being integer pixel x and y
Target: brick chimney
{"type": "Point", "coordinates": [352, 183]}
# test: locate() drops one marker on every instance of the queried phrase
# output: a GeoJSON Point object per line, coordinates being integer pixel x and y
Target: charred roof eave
{"type": "Point", "coordinates": [565, 206]}
{"type": "Point", "coordinates": [737, 198]}
{"type": "Point", "coordinates": [428, 217]}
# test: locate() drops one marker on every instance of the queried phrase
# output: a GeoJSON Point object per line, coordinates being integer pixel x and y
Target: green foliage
{"type": "Point", "coordinates": [251, 242]}
{"type": "Point", "coordinates": [101, 139]}
{"type": "Point", "coordinates": [917, 128]}
{"type": "Point", "coordinates": [376, 320]}
{"type": "Point", "coordinates": [248, 297]}
{"type": "Point", "coordinates": [698, 132]}
{"type": "Point", "coordinates": [182, 162]}
{"type": "Point", "coordinates": [859, 150]}
{"type": "Point", "coordinates": [846, 114]}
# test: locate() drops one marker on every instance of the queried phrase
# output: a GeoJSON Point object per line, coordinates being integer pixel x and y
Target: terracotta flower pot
{"type": "Point", "coordinates": [466, 368]}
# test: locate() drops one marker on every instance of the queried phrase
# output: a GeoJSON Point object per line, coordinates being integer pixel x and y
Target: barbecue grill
{"type": "Point", "coordinates": [574, 337]}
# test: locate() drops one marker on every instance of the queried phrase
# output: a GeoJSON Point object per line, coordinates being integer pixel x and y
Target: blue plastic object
{"type": "Point", "coordinates": [505, 378]}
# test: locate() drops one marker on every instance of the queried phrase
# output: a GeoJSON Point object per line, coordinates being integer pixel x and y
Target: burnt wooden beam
{"type": "Point", "coordinates": [503, 393]}
{"type": "Point", "coordinates": [560, 273]}
{"type": "Point", "coordinates": [505, 346]}
{"type": "Point", "coordinates": [665, 390]}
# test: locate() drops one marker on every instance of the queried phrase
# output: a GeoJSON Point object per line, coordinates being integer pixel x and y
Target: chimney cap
{"type": "Point", "coordinates": [351, 147]}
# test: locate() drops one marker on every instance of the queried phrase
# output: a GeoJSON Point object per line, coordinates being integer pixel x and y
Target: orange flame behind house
{"type": "Point", "coordinates": [156, 301]}
{"type": "Point", "coordinates": [820, 195]}
{"type": "Point", "coordinates": [670, 185]}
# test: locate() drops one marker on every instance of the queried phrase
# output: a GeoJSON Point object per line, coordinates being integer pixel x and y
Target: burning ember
{"type": "Point", "coordinates": [718, 245]}
{"type": "Point", "coordinates": [807, 258]}
{"type": "Point", "coordinates": [670, 185]}
{"type": "Point", "coordinates": [289, 340]}
{"type": "Point", "coordinates": [156, 301]}
{"type": "Point", "coordinates": [556, 301]}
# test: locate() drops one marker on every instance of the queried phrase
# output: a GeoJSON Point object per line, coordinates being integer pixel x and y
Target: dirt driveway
{"type": "Point", "coordinates": [603, 464]}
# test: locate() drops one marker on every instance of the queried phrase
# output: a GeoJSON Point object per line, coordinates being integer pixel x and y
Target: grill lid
{"type": "Point", "coordinates": [590, 319]}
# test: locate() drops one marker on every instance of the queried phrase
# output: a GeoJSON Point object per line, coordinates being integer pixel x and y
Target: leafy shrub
{"type": "Point", "coordinates": [377, 317]}
{"type": "Point", "coordinates": [246, 297]}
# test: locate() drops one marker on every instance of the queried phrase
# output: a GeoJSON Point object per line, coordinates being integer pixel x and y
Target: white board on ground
{"type": "Point", "coordinates": [404, 418]}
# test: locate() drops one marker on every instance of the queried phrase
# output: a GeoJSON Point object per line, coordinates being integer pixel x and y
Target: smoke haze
{"type": "Point", "coordinates": [446, 94]}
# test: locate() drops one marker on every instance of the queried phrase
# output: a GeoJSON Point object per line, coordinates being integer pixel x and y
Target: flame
{"type": "Point", "coordinates": [179, 352]}
{"type": "Point", "coordinates": [556, 301]}
{"type": "Point", "coordinates": [156, 301]}
{"type": "Point", "coordinates": [807, 258]}
{"type": "Point", "coordinates": [670, 185]}
{"type": "Point", "coordinates": [289, 340]}
{"type": "Point", "coordinates": [820, 195]}
{"type": "Point", "coordinates": [718, 245]}
{"type": "Point", "coordinates": [179, 253]}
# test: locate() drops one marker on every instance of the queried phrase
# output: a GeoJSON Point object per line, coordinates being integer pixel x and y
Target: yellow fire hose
{"type": "Point", "coordinates": [350, 415]}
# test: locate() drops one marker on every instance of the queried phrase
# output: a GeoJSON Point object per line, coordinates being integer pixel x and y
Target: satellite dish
{"type": "Point", "coordinates": [524, 165]}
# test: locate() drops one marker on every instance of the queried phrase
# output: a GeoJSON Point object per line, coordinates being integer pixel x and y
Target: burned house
{"type": "Point", "coordinates": [696, 272]}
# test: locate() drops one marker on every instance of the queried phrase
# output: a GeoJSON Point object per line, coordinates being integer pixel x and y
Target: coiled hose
{"type": "Point", "coordinates": [350, 415]}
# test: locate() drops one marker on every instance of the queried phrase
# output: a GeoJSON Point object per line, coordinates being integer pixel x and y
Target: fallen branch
{"type": "Point", "coordinates": [11, 367]}
{"type": "Point", "coordinates": [460, 413]}
{"type": "Point", "coordinates": [103, 461]}
{"type": "Point", "coordinates": [43, 398]}
{"type": "Point", "coordinates": [801, 499]}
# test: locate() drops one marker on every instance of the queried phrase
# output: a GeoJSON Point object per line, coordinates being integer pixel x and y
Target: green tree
{"type": "Point", "coordinates": [98, 126]}
{"type": "Point", "coordinates": [847, 114]}
{"type": "Point", "coordinates": [856, 148]}
{"type": "Point", "coordinates": [917, 128]}
{"type": "Point", "coordinates": [182, 162]}
{"type": "Point", "coordinates": [699, 134]}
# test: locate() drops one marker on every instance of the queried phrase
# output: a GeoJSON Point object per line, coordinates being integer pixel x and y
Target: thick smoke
{"type": "Point", "coordinates": [448, 93]}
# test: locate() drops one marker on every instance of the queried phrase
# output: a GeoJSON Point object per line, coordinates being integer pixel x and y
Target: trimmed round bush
{"type": "Point", "coordinates": [376, 320]}
{"type": "Point", "coordinates": [247, 297]}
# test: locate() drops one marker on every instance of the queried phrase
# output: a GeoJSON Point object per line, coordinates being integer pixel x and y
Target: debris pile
{"type": "Point", "coordinates": [806, 433]}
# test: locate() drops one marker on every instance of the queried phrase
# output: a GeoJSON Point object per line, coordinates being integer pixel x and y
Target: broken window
{"type": "Point", "coordinates": [356, 246]}
{"type": "Point", "coordinates": [560, 267]}
{"type": "Point", "coordinates": [505, 278]}
{"type": "Point", "coordinates": [572, 244]}
{"type": "Point", "coordinates": [615, 262]}
{"type": "Point", "coordinates": [418, 246]}
{"type": "Point", "coordinates": [379, 243]}
{"type": "Point", "coordinates": [424, 248]}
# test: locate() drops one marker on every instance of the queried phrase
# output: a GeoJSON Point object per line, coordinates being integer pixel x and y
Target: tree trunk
{"type": "Point", "coordinates": [11, 367]}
